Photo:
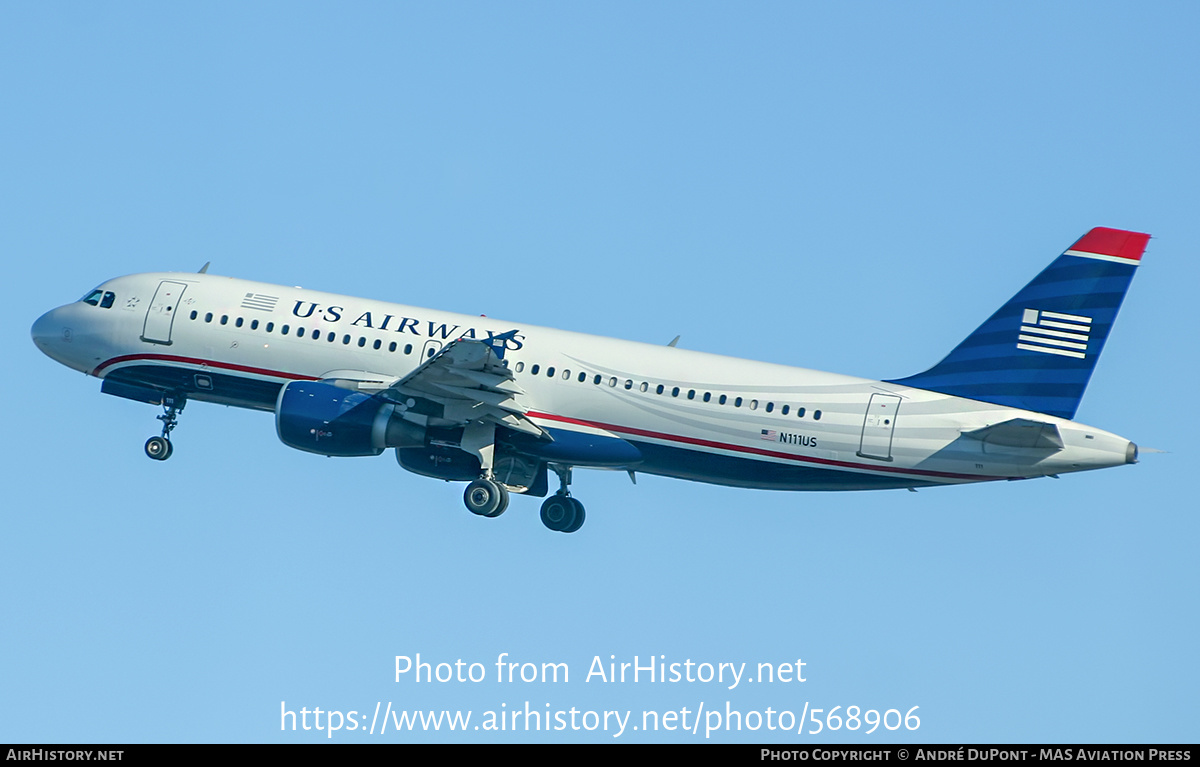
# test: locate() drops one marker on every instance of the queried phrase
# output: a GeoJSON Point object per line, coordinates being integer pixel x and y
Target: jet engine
{"type": "Point", "coordinates": [327, 419]}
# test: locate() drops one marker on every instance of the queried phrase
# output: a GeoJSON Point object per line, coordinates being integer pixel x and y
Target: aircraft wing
{"type": "Point", "coordinates": [469, 380]}
{"type": "Point", "coordinates": [1020, 432]}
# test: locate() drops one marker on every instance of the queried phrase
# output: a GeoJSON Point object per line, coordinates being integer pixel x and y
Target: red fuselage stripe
{"type": "Point", "coordinates": [202, 363]}
{"type": "Point", "coordinates": [753, 450]}
{"type": "Point", "coordinates": [628, 430]}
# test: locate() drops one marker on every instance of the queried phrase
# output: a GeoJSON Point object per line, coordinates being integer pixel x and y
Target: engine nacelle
{"type": "Point", "coordinates": [440, 462]}
{"type": "Point", "coordinates": [326, 419]}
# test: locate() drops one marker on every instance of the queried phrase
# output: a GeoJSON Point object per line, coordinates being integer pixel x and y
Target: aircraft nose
{"type": "Point", "coordinates": [48, 331]}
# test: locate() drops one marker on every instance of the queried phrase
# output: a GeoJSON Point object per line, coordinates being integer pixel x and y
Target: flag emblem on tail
{"type": "Point", "coordinates": [1054, 333]}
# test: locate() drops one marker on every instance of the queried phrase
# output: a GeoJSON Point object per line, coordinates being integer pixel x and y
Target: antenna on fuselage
{"type": "Point", "coordinates": [204, 269]}
{"type": "Point", "coordinates": [674, 341]}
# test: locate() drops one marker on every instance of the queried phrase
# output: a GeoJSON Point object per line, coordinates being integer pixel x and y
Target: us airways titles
{"type": "Point", "coordinates": [512, 340]}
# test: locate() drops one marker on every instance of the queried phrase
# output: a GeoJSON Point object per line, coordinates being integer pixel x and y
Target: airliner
{"type": "Point", "coordinates": [502, 405]}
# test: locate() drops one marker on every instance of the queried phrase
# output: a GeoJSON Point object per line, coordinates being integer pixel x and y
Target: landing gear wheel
{"type": "Point", "coordinates": [562, 513]}
{"type": "Point", "coordinates": [503, 501]}
{"type": "Point", "coordinates": [486, 498]}
{"type": "Point", "coordinates": [580, 516]}
{"type": "Point", "coordinates": [159, 448]}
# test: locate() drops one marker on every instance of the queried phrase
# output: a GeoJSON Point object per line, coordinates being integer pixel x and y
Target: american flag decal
{"type": "Point", "coordinates": [259, 301]}
{"type": "Point", "coordinates": [770, 434]}
{"type": "Point", "coordinates": [1054, 333]}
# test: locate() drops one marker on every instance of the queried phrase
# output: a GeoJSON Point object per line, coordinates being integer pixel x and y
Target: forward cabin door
{"type": "Point", "coordinates": [878, 426]}
{"type": "Point", "coordinates": [161, 314]}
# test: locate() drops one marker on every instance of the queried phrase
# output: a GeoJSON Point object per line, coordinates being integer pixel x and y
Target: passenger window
{"type": "Point", "coordinates": [628, 384]}
{"type": "Point", "coordinates": [596, 380]}
{"type": "Point", "coordinates": [707, 396]}
{"type": "Point", "coordinates": [770, 406]}
{"type": "Point", "coordinates": [582, 377]}
{"type": "Point", "coordinates": [722, 400]}
{"type": "Point", "coordinates": [784, 410]}
{"type": "Point", "coordinates": [612, 381]}
{"type": "Point", "coordinates": [238, 322]}
{"type": "Point", "coordinates": [535, 369]}
{"type": "Point", "coordinates": [799, 412]}
{"type": "Point", "coordinates": [645, 386]}
{"type": "Point", "coordinates": [566, 376]}
{"type": "Point", "coordinates": [195, 314]}
{"type": "Point", "coordinates": [254, 324]}
{"type": "Point", "coordinates": [737, 402]}
{"type": "Point", "coordinates": [377, 344]}
{"type": "Point", "coordinates": [691, 394]}
{"type": "Point", "coordinates": [520, 367]}
{"type": "Point", "coordinates": [225, 320]}
{"type": "Point", "coordinates": [659, 389]}
{"type": "Point", "coordinates": [550, 372]}
{"type": "Point", "coordinates": [270, 325]}
{"type": "Point", "coordinates": [816, 415]}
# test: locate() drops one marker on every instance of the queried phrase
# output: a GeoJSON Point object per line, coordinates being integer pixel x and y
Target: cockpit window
{"type": "Point", "coordinates": [102, 298]}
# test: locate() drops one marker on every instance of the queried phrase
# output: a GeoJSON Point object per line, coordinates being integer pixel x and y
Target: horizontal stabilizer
{"type": "Point", "coordinates": [1020, 432]}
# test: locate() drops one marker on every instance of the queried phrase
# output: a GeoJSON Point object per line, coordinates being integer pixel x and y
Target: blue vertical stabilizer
{"type": "Point", "coordinates": [1038, 351]}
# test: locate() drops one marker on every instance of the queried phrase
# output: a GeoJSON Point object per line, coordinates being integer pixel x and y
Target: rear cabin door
{"type": "Point", "coordinates": [878, 426]}
{"type": "Point", "coordinates": [161, 314]}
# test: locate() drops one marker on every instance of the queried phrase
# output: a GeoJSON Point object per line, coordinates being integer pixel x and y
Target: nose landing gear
{"type": "Point", "coordinates": [160, 448]}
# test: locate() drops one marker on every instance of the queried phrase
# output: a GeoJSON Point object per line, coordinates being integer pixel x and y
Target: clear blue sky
{"type": "Point", "coordinates": [846, 187]}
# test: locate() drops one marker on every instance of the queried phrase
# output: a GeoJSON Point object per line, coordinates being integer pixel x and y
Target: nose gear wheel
{"type": "Point", "coordinates": [160, 448]}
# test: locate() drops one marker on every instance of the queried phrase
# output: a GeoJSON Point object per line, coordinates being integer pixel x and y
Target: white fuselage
{"type": "Point", "coordinates": [692, 415]}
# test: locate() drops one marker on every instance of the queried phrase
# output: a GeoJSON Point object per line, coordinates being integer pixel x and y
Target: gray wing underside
{"type": "Point", "coordinates": [471, 383]}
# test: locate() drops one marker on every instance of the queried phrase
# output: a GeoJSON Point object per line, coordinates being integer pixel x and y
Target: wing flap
{"type": "Point", "coordinates": [471, 382]}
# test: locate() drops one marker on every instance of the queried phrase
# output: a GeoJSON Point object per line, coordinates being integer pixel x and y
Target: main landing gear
{"type": "Point", "coordinates": [560, 512]}
{"type": "Point", "coordinates": [486, 497]}
{"type": "Point", "coordinates": [160, 448]}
